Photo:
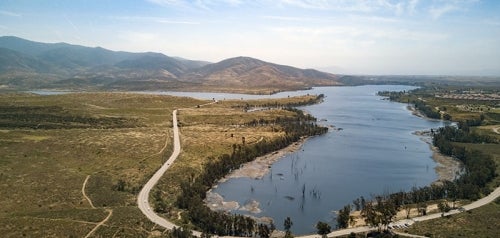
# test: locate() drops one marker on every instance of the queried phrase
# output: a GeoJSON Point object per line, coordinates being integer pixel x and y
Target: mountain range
{"type": "Point", "coordinates": [32, 65]}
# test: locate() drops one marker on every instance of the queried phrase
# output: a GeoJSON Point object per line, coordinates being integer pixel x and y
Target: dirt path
{"type": "Point", "coordinates": [110, 211]}
{"type": "Point", "coordinates": [83, 191]}
{"type": "Point", "coordinates": [100, 223]}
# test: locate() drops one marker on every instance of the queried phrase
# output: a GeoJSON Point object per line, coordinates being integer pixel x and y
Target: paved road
{"type": "Point", "coordinates": [143, 198]}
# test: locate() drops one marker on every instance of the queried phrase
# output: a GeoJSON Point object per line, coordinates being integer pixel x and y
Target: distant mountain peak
{"type": "Point", "coordinates": [76, 65]}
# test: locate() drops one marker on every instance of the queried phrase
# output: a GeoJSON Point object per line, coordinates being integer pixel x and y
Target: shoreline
{"type": "Point", "coordinates": [261, 165]}
{"type": "Point", "coordinates": [447, 167]}
{"type": "Point", "coordinates": [255, 169]}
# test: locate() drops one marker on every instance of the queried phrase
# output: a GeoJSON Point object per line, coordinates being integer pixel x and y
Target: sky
{"type": "Point", "coordinates": [408, 37]}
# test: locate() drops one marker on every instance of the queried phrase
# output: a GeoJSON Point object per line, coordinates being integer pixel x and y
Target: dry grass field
{"type": "Point", "coordinates": [50, 144]}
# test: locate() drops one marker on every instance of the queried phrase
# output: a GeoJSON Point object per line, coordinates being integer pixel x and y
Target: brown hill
{"type": "Point", "coordinates": [246, 72]}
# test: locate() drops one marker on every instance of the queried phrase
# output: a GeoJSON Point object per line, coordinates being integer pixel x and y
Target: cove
{"type": "Point", "coordinates": [374, 152]}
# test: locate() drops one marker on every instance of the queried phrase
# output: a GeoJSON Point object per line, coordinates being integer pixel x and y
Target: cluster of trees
{"type": "Point", "coordinates": [323, 228]}
{"type": "Point", "coordinates": [393, 96]}
{"type": "Point", "coordinates": [277, 104]}
{"type": "Point", "coordinates": [193, 192]}
{"type": "Point", "coordinates": [297, 119]}
{"type": "Point", "coordinates": [426, 109]}
{"type": "Point", "coordinates": [479, 169]}
{"type": "Point", "coordinates": [418, 104]}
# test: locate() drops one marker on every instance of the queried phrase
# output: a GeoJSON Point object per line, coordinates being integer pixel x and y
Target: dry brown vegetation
{"type": "Point", "coordinates": [42, 170]}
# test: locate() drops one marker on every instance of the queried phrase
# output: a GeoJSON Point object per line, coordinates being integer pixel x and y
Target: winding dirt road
{"type": "Point", "coordinates": [83, 191]}
{"type": "Point", "coordinates": [110, 211]}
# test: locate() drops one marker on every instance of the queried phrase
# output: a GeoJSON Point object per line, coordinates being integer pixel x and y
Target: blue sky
{"type": "Point", "coordinates": [458, 37]}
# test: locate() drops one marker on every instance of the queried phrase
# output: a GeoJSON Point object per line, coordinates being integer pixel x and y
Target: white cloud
{"type": "Point", "coordinates": [371, 19]}
{"type": "Point", "coordinates": [412, 6]}
{"type": "Point", "coordinates": [358, 34]}
{"type": "Point", "coordinates": [437, 12]}
{"type": "Point", "coordinates": [202, 4]}
{"type": "Point", "coordinates": [10, 14]}
{"type": "Point", "coordinates": [365, 6]}
{"type": "Point", "coordinates": [167, 2]}
{"type": "Point", "coordinates": [287, 18]}
{"type": "Point", "coordinates": [440, 8]}
{"type": "Point", "coordinates": [492, 22]}
{"type": "Point", "coordinates": [155, 19]}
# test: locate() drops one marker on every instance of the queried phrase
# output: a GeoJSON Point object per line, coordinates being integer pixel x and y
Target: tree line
{"type": "Point", "coordinates": [479, 170]}
{"type": "Point", "coordinates": [193, 191]}
{"type": "Point", "coordinates": [419, 105]}
{"type": "Point", "coordinates": [277, 104]}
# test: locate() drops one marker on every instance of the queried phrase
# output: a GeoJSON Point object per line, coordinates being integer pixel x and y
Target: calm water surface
{"type": "Point", "coordinates": [375, 152]}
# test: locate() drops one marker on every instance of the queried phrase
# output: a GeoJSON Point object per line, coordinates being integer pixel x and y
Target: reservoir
{"type": "Point", "coordinates": [372, 151]}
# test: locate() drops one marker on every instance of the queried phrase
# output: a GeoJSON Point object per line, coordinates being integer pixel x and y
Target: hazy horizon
{"type": "Point", "coordinates": [383, 37]}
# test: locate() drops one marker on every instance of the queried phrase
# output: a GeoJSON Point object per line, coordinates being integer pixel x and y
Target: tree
{"type": "Point", "coordinates": [357, 204]}
{"type": "Point", "coordinates": [120, 185]}
{"type": "Point", "coordinates": [323, 228]}
{"type": "Point", "coordinates": [343, 217]}
{"type": "Point", "coordinates": [288, 225]}
{"type": "Point", "coordinates": [380, 212]}
{"type": "Point", "coordinates": [263, 231]}
{"type": "Point", "coordinates": [443, 207]}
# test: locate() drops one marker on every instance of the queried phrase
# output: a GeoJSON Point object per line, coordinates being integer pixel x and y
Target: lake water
{"type": "Point", "coordinates": [375, 152]}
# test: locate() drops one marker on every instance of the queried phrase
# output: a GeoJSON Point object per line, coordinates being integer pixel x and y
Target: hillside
{"type": "Point", "coordinates": [254, 73]}
{"type": "Point", "coordinates": [26, 65]}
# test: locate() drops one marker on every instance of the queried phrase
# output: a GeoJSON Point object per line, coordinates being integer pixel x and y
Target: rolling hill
{"type": "Point", "coordinates": [28, 65]}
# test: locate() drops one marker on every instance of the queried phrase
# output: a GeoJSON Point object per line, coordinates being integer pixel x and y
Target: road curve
{"type": "Point", "coordinates": [143, 198]}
